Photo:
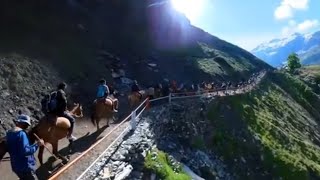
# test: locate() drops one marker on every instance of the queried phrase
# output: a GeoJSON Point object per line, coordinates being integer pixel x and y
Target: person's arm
{"type": "Point", "coordinates": [26, 147]}
{"type": "Point", "coordinates": [63, 100]}
{"type": "Point", "coordinates": [107, 90]}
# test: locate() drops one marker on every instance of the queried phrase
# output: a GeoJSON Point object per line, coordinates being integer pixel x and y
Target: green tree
{"type": "Point", "coordinates": [293, 62]}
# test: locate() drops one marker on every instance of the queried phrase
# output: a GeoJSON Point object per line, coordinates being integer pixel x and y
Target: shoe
{"type": "Point", "coordinates": [72, 138]}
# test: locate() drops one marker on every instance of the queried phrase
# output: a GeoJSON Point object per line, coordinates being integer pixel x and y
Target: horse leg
{"type": "Point", "coordinates": [116, 104]}
{"type": "Point", "coordinates": [108, 120]}
{"type": "Point", "coordinates": [55, 152]}
{"type": "Point", "coordinates": [40, 154]}
{"type": "Point", "coordinates": [93, 119]}
{"type": "Point", "coordinates": [97, 123]}
{"type": "Point", "coordinates": [70, 146]}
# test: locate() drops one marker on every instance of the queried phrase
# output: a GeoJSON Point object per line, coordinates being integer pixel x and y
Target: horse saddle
{"type": "Point", "coordinates": [105, 101]}
{"type": "Point", "coordinates": [58, 121]}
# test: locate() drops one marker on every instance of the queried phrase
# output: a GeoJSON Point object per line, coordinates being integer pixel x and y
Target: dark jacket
{"type": "Point", "coordinates": [61, 102]}
{"type": "Point", "coordinates": [135, 88]}
{"type": "Point", "coordinates": [21, 152]}
{"type": "Point", "coordinates": [165, 90]}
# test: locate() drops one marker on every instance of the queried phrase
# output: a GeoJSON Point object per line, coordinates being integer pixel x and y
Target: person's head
{"type": "Point", "coordinates": [62, 86]}
{"type": "Point", "coordinates": [23, 121]}
{"type": "Point", "coordinates": [103, 81]}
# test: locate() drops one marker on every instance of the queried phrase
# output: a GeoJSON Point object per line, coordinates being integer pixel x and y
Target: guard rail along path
{"type": "Point", "coordinates": [133, 117]}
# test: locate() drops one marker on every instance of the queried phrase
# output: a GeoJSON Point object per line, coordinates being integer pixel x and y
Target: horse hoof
{"type": "Point", "coordinates": [65, 161]}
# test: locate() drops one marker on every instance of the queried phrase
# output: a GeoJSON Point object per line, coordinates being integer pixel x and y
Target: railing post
{"type": "Point", "coordinates": [169, 98]}
{"type": "Point", "coordinates": [133, 121]}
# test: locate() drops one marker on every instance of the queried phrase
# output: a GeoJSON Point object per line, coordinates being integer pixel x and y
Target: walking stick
{"type": "Point", "coordinates": [46, 147]}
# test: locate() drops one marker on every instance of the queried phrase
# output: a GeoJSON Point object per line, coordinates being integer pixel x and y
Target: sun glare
{"type": "Point", "coordinates": [191, 8]}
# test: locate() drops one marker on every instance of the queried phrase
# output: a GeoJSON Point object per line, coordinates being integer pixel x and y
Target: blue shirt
{"type": "Point", "coordinates": [103, 90]}
{"type": "Point", "coordinates": [21, 152]}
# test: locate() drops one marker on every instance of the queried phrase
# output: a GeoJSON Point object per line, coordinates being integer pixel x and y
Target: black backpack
{"type": "Point", "coordinates": [49, 103]}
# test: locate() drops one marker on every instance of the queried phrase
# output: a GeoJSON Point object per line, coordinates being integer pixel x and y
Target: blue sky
{"type": "Point", "coordinates": [247, 23]}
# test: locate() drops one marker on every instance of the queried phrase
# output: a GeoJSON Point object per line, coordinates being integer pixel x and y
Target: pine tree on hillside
{"type": "Point", "coordinates": [293, 62]}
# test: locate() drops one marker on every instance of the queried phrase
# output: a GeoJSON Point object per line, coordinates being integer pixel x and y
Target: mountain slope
{"type": "Point", "coordinates": [140, 34]}
{"type": "Point", "coordinates": [311, 76]}
{"type": "Point", "coordinates": [276, 51]}
{"type": "Point", "coordinates": [275, 129]}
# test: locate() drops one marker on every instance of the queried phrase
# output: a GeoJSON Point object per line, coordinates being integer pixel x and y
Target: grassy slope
{"type": "Point", "coordinates": [282, 119]}
{"type": "Point", "coordinates": [312, 71]}
{"type": "Point", "coordinates": [159, 163]}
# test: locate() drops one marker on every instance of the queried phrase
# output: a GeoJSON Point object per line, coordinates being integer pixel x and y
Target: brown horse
{"type": "Point", "coordinates": [103, 108]}
{"type": "Point", "coordinates": [135, 98]}
{"type": "Point", "coordinates": [51, 129]}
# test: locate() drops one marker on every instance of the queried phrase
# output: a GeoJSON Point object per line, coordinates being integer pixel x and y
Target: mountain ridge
{"type": "Point", "coordinates": [276, 51]}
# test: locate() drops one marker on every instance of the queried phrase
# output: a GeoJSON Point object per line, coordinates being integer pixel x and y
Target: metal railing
{"type": "Point", "coordinates": [133, 116]}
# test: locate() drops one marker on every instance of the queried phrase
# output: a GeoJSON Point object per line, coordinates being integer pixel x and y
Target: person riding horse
{"type": "Point", "coordinates": [62, 111]}
{"type": "Point", "coordinates": [135, 88]}
{"type": "Point", "coordinates": [104, 93]}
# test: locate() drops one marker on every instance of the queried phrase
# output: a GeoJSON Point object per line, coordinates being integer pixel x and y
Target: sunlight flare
{"type": "Point", "coordinates": [191, 8]}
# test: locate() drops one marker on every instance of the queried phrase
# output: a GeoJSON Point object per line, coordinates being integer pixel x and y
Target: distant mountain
{"type": "Point", "coordinates": [275, 52]}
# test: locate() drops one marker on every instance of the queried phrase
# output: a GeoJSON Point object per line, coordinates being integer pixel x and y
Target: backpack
{"type": "Point", "coordinates": [49, 102]}
{"type": "Point", "coordinates": [53, 102]}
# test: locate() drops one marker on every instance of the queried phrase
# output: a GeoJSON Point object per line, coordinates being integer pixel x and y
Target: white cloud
{"type": "Point", "coordinates": [286, 8]}
{"type": "Point", "coordinates": [283, 12]}
{"type": "Point", "coordinates": [307, 24]}
{"type": "Point", "coordinates": [296, 4]}
{"type": "Point", "coordinates": [302, 27]}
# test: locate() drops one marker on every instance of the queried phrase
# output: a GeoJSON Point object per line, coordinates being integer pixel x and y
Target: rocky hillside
{"type": "Point", "coordinates": [311, 76]}
{"type": "Point", "coordinates": [22, 83]}
{"type": "Point", "coordinates": [276, 51]}
{"type": "Point", "coordinates": [80, 41]}
{"type": "Point", "coordinates": [135, 38]}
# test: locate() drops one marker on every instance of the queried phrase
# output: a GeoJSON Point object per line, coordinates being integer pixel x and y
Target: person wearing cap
{"type": "Point", "coordinates": [23, 162]}
{"type": "Point", "coordinates": [62, 110]}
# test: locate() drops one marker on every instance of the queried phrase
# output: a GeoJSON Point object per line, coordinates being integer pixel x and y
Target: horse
{"type": "Point", "coordinates": [135, 97]}
{"type": "Point", "coordinates": [51, 129]}
{"type": "Point", "coordinates": [103, 108]}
